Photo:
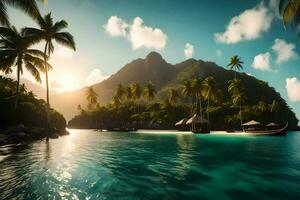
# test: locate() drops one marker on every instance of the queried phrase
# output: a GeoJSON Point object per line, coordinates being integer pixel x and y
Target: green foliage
{"type": "Point", "coordinates": [31, 111]}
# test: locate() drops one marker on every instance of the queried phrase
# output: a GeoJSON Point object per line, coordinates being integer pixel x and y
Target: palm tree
{"type": "Point", "coordinates": [187, 91]}
{"type": "Point", "coordinates": [116, 101]}
{"type": "Point", "coordinates": [92, 98]}
{"type": "Point", "coordinates": [234, 87]}
{"type": "Point", "coordinates": [28, 6]}
{"type": "Point", "coordinates": [48, 32]}
{"type": "Point", "coordinates": [197, 88]}
{"type": "Point", "coordinates": [15, 52]}
{"type": "Point", "coordinates": [290, 11]}
{"type": "Point", "coordinates": [262, 106]}
{"type": "Point", "coordinates": [210, 92]}
{"type": "Point", "coordinates": [136, 92]}
{"type": "Point", "coordinates": [235, 90]}
{"type": "Point", "coordinates": [149, 91]}
{"type": "Point", "coordinates": [235, 64]}
{"type": "Point", "coordinates": [274, 106]}
{"type": "Point", "coordinates": [128, 93]}
{"type": "Point", "coordinates": [173, 96]}
{"type": "Point", "coordinates": [120, 92]}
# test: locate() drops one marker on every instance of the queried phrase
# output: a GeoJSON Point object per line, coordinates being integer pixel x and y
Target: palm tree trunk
{"type": "Point", "coordinates": [18, 84]}
{"type": "Point", "coordinates": [207, 109]}
{"type": "Point", "coordinates": [241, 112]}
{"type": "Point", "coordinates": [47, 87]}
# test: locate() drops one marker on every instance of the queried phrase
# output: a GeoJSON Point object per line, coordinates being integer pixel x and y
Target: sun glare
{"type": "Point", "coordinates": [67, 83]}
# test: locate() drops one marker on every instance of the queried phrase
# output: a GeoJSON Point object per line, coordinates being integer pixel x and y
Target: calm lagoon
{"type": "Point", "coordinates": [153, 165]}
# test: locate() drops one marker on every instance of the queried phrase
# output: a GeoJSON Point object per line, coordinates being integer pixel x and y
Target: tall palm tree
{"type": "Point", "coordinates": [116, 101]}
{"type": "Point", "coordinates": [235, 64]}
{"type": "Point", "coordinates": [187, 91]}
{"type": "Point", "coordinates": [28, 6]}
{"type": "Point", "coordinates": [128, 93]}
{"type": "Point", "coordinates": [15, 51]}
{"type": "Point", "coordinates": [235, 90]}
{"type": "Point", "coordinates": [49, 32]}
{"type": "Point", "coordinates": [290, 11]}
{"type": "Point", "coordinates": [274, 106]}
{"type": "Point", "coordinates": [173, 96]}
{"type": "Point", "coordinates": [211, 92]}
{"type": "Point", "coordinates": [136, 94]}
{"type": "Point", "coordinates": [197, 88]}
{"type": "Point", "coordinates": [262, 106]}
{"type": "Point", "coordinates": [92, 98]}
{"type": "Point", "coordinates": [120, 92]}
{"type": "Point", "coordinates": [149, 91]}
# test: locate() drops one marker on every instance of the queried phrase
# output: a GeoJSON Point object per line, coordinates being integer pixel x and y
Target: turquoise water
{"type": "Point", "coordinates": [102, 165]}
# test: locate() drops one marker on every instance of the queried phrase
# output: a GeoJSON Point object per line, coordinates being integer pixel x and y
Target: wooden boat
{"type": "Point", "coordinates": [275, 132]}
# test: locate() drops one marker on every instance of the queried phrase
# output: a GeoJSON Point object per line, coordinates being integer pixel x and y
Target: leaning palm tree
{"type": "Point", "coordinates": [28, 6]}
{"type": "Point", "coordinates": [235, 64]}
{"type": "Point", "coordinates": [149, 91]}
{"type": "Point", "coordinates": [92, 98]}
{"type": "Point", "coordinates": [15, 51]}
{"type": "Point", "coordinates": [173, 96]}
{"type": "Point", "coordinates": [187, 91]}
{"type": "Point", "coordinates": [211, 92]}
{"type": "Point", "coordinates": [49, 32]}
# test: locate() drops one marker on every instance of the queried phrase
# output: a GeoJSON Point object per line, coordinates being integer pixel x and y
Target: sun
{"type": "Point", "coordinates": [67, 83]}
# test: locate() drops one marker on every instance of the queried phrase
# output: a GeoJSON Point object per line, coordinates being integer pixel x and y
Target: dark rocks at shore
{"type": "Point", "coordinates": [21, 133]}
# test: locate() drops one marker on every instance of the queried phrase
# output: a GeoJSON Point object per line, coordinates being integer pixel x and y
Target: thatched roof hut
{"type": "Point", "coordinates": [181, 122]}
{"type": "Point", "coordinates": [196, 119]}
{"type": "Point", "coordinates": [272, 125]}
{"type": "Point", "coordinates": [252, 123]}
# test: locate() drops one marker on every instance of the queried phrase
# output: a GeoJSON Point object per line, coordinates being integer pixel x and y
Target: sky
{"type": "Point", "coordinates": [109, 34]}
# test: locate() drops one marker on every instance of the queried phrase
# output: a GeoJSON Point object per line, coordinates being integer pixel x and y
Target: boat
{"type": "Point", "coordinates": [274, 132]}
{"type": "Point", "coordinates": [198, 125]}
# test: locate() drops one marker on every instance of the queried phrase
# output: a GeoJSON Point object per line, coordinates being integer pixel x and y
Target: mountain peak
{"type": "Point", "coordinates": [154, 56]}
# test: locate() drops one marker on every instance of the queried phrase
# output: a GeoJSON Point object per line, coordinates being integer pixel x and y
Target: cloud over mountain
{"type": "Point", "coordinates": [293, 88]}
{"type": "Point", "coordinates": [137, 33]}
{"type": "Point", "coordinates": [189, 50]}
{"type": "Point", "coordinates": [262, 61]}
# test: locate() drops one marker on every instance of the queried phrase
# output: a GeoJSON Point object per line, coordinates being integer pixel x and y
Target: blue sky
{"type": "Point", "coordinates": [167, 26]}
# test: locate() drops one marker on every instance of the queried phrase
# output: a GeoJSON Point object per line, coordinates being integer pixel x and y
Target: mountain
{"type": "Point", "coordinates": [165, 76]}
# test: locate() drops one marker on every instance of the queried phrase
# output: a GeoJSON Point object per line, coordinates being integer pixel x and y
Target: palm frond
{"type": "Point", "coordinates": [65, 39]}
{"type": "Point", "coordinates": [33, 71]}
{"type": "Point", "coordinates": [3, 15]}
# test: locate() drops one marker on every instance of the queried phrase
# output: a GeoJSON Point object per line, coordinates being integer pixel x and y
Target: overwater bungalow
{"type": "Point", "coordinates": [252, 125]}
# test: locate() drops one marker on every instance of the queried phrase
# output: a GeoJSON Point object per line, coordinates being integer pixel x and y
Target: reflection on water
{"type": "Point", "coordinates": [153, 165]}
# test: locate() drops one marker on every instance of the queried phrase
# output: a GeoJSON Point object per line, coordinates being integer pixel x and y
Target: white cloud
{"type": "Point", "coordinates": [293, 88]}
{"type": "Point", "coordinates": [145, 36]}
{"type": "Point", "coordinates": [262, 61]}
{"type": "Point", "coordinates": [137, 33]}
{"type": "Point", "coordinates": [95, 76]}
{"type": "Point", "coordinates": [116, 26]}
{"type": "Point", "coordinates": [285, 51]}
{"type": "Point", "coordinates": [249, 25]}
{"type": "Point", "coordinates": [188, 50]}
{"type": "Point", "coordinates": [219, 53]}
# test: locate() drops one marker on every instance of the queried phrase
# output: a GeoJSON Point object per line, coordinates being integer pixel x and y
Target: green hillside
{"type": "Point", "coordinates": [166, 76]}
